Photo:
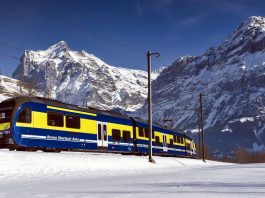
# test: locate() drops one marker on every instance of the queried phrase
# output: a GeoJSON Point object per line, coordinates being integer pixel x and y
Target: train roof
{"type": "Point", "coordinates": [60, 104]}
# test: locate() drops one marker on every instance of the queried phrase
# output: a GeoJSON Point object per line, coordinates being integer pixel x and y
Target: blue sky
{"type": "Point", "coordinates": [124, 29]}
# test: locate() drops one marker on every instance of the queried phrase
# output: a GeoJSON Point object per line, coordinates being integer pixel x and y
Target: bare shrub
{"type": "Point", "coordinates": [243, 156]}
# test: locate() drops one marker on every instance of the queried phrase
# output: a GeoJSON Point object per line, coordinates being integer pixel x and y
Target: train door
{"type": "Point", "coordinates": [102, 136]}
{"type": "Point", "coordinates": [164, 143]}
{"type": "Point", "coordinates": [192, 147]}
{"type": "Point", "coordinates": [134, 137]}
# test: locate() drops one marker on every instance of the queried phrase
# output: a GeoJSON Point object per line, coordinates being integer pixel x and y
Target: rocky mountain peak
{"type": "Point", "coordinates": [250, 29]}
{"type": "Point", "coordinates": [58, 50]}
{"type": "Point", "coordinates": [80, 78]}
{"type": "Point", "coordinates": [255, 21]}
{"type": "Point", "coordinates": [60, 46]}
{"type": "Point", "coordinates": [248, 37]}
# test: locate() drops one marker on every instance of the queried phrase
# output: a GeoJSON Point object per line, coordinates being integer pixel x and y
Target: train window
{"type": "Point", "coordinates": [116, 135]}
{"type": "Point", "coordinates": [188, 146]}
{"type": "Point", "coordinates": [73, 122]}
{"type": "Point", "coordinates": [175, 138]}
{"type": "Point", "coordinates": [25, 115]}
{"type": "Point", "coordinates": [126, 136]}
{"type": "Point", "coordinates": [171, 143]}
{"type": "Point", "coordinates": [157, 141]}
{"type": "Point", "coordinates": [55, 119]}
{"type": "Point", "coordinates": [181, 140]}
{"type": "Point", "coordinates": [178, 139]}
{"type": "Point", "coordinates": [141, 132]}
{"type": "Point", "coordinates": [6, 109]}
{"type": "Point", "coordinates": [146, 132]}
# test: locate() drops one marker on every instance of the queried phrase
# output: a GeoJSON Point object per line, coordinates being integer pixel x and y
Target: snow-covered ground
{"type": "Point", "coordinates": [27, 174]}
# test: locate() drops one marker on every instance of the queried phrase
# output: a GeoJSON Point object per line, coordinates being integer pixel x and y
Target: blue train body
{"type": "Point", "coordinates": [39, 123]}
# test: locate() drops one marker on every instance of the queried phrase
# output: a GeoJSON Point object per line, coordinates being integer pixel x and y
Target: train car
{"type": "Point", "coordinates": [34, 123]}
{"type": "Point", "coordinates": [165, 141]}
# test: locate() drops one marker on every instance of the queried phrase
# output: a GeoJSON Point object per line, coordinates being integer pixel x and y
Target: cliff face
{"type": "Point", "coordinates": [83, 79]}
{"type": "Point", "coordinates": [232, 80]}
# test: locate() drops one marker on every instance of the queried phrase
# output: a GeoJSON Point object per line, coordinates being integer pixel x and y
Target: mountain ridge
{"type": "Point", "coordinates": [231, 77]}
{"type": "Point", "coordinates": [78, 77]}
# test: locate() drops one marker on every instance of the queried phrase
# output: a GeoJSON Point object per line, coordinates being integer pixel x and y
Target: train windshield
{"type": "Point", "coordinates": [6, 108]}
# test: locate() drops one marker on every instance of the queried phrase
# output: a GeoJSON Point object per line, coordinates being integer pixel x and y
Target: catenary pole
{"type": "Point", "coordinates": [150, 121]}
{"type": "Point", "coordinates": [199, 135]}
{"type": "Point", "coordinates": [202, 131]}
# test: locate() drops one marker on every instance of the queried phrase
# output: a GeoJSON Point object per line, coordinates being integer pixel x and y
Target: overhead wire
{"type": "Point", "coordinates": [96, 34]}
{"type": "Point", "coordinates": [10, 56]}
{"type": "Point", "coordinates": [11, 46]}
{"type": "Point", "coordinates": [83, 28]}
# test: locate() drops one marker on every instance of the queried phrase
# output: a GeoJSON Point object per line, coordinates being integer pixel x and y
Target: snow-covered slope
{"type": "Point", "coordinates": [232, 79]}
{"type": "Point", "coordinates": [24, 169]}
{"type": "Point", "coordinates": [83, 79]}
{"type": "Point", "coordinates": [10, 87]}
{"type": "Point", "coordinates": [28, 165]}
{"type": "Point", "coordinates": [68, 175]}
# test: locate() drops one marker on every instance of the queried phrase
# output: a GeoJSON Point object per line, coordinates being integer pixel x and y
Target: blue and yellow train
{"type": "Point", "coordinates": [34, 123]}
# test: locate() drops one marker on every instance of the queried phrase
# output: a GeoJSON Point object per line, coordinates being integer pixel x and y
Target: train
{"type": "Point", "coordinates": [36, 123]}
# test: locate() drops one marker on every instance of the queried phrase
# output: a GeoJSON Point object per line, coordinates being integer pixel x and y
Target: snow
{"type": "Point", "coordinates": [227, 129]}
{"type": "Point", "coordinates": [194, 130]}
{"type": "Point", "coordinates": [66, 174]}
{"type": "Point", "coordinates": [253, 60]}
{"type": "Point", "coordinates": [28, 165]}
{"type": "Point", "coordinates": [243, 119]}
{"type": "Point", "coordinates": [11, 87]}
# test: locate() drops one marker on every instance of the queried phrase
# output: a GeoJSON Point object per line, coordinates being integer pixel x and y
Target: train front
{"type": "Point", "coordinates": [6, 109]}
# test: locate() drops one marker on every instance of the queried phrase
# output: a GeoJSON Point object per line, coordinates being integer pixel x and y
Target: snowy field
{"type": "Point", "coordinates": [29, 174]}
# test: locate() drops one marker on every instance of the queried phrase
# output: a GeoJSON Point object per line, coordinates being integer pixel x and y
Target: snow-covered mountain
{"type": "Point", "coordinates": [10, 87]}
{"type": "Point", "coordinates": [232, 80]}
{"type": "Point", "coordinates": [83, 79]}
